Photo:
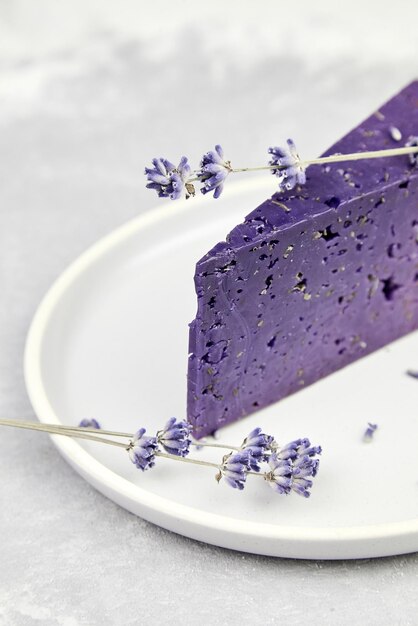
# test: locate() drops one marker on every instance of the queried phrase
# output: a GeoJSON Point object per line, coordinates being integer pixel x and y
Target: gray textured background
{"type": "Point", "coordinates": [90, 91]}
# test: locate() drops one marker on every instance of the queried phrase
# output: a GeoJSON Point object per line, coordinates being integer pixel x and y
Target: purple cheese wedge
{"type": "Point", "coordinates": [313, 280]}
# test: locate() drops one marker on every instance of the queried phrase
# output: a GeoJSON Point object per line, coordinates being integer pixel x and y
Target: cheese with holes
{"type": "Point", "coordinates": [312, 280]}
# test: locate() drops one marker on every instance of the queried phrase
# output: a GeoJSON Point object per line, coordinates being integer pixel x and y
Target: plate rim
{"type": "Point", "coordinates": [355, 538]}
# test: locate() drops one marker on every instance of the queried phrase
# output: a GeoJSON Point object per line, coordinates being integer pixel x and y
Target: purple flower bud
{"type": "Point", "coordinates": [301, 486]}
{"type": "Point", "coordinates": [259, 446]}
{"type": "Point", "coordinates": [369, 432]}
{"type": "Point", "coordinates": [290, 170]}
{"type": "Point", "coordinates": [234, 468]}
{"type": "Point", "coordinates": [213, 171]}
{"type": "Point", "coordinates": [305, 449]}
{"type": "Point", "coordinates": [142, 450]}
{"type": "Point", "coordinates": [92, 423]}
{"type": "Point", "coordinates": [168, 180]}
{"type": "Point", "coordinates": [411, 143]}
{"type": "Point", "coordinates": [296, 457]}
{"type": "Point", "coordinates": [175, 437]}
{"type": "Point", "coordinates": [304, 465]}
{"type": "Point", "coordinates": [280, 475]}
{"type": "Point", "coordinates": [289, 451]}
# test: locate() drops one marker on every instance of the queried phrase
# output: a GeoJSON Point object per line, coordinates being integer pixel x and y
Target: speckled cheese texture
{"type": "Point", "coordinates": [312, 280]}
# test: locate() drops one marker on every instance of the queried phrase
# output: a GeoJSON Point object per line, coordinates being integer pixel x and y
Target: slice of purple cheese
{"type": "Point", "coordinates": [312, 280]}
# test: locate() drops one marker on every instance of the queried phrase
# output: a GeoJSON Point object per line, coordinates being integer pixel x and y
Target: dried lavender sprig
{"type": "Point", "coordinates": [336, 158]}
{"type": "Point", "coordinates": [234, 467]}
{"type": "Point", "coordinates": [171, 181]}
{"type": "Point", "coordinates": [82, 433]}
{"type": "Point", "coordinates": [333, 158]}
{"type": "Point", "coordinates": [78, 432]}
{"type": "Point", "coordinates": [74, 430]}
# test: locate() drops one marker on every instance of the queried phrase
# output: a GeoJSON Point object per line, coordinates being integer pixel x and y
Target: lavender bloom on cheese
{"type": "Point", "coordinates": [258, 444]}
{"type": "Point", "coordinates": [234, 468]}
{"type": "Point", "coordinates": [290, 170]}
{"type": "Point", "coordinates": [142, 450]}
{"type": "Point", "coordinates": [214, 171]}
{"type": "Point", "coordinates": [168, 180]}
{"type": "Point", "coordinates": [175, 437]}
{"type": "Point", "coordinates": [413, 157]}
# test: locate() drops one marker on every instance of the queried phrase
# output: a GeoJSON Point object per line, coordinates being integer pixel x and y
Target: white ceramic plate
{"type": "Point", "coordinates": [110, 341]}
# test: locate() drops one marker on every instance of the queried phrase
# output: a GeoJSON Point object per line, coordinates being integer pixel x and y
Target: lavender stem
{"type": "Point", "coordinates": [335, 158]}
{"type": "Point", "coordinates": [357, 156]}
{"type": "Point", "coordinates": [60, 430]}
{"type": "Point", "coordinates": [214, 445]}
{"type": "Point", "coordinates": [186, 459]}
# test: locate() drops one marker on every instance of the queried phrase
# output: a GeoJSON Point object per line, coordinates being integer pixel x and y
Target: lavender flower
{"type": "Point", "coordinates": [213, 171]}
{"type": "Point", "coordinates": [413, 157]}
{"type": "Point", "coordinates": [299, 454]}
{"type": "Point", "coordinates": [290, 170]}
{"type": "Point", "coordinates": [280, 475]}
{"type": "Point", "coordinates": [369, 432]}
{"type": "Point", "coordinates": [92, 423]}
{"type": "Point", "coordinates": [291, 467]}
{"type": "Point", "coordinates": [142, 450]}
{"type": "Point", "coordinates": [259, 446]}
{"type": "Point", "coordinates": [412, 373]}
{"type": "Point", "coordinates": [304, 466]}
{"type": "Point", "coordinates": [289, 451]}
{"type": "Point", "coordinates": [168, 180]}
{"type": "Point", "coordinates": [175, 437]}
{"type": "Point", "coordinates": [297, 448]}
{"type": "Point", "coordinates": [234, 468]}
